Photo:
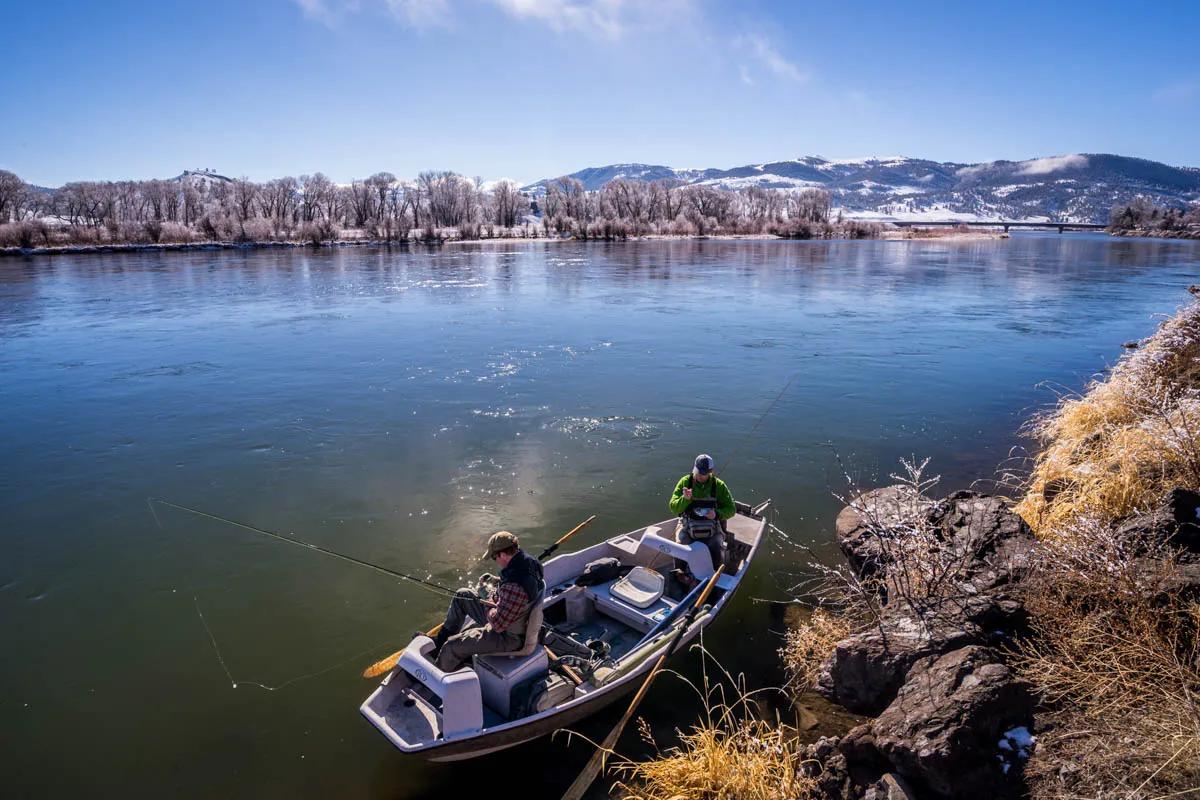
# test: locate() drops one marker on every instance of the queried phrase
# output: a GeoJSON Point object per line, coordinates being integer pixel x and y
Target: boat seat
{"type": "Point", "coordinates": [641, 588]}
{"type": "Point", "coordinates": [500, 672]}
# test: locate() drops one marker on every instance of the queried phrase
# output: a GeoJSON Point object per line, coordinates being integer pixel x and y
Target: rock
{"type": "Point", "coordinates": [993, 542]}
{"type": "Point", "coordinates": [1176, 523]}
{"type": "Point", "coordinates": [943, 729]}
{"type": "Point", "coordinates": [871, 515]}
{"type": "Point", "coordinates": [865, 670]}
{"type": "Point", "coordinates": [864, 762]}
{"type": "Point", "coordinates": [1132, 344]}
{"type": "Point", "coordinates": [825, 764]}
{"type": "Point", "coordinates": [890, 787]}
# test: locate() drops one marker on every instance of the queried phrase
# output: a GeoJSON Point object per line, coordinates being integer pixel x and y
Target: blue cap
{"type": "Point", "coordinates": [704, 464]}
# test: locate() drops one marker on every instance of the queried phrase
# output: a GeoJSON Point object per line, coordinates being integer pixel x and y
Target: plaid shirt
{"type": "Point", "coordinates": [511, 600]}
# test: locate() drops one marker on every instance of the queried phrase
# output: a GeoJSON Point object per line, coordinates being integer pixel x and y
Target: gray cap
{"type": "Point", "coordinates": [500, 540]}
{"type": "Point", "coordinates": [704, 464]}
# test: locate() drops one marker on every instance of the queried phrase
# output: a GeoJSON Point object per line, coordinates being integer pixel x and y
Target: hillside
{"type": "Point", "coordinates": [1076, 188]}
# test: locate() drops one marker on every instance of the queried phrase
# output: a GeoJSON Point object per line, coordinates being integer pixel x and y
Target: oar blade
{"type": "Point", "coordinates": [386, 665]}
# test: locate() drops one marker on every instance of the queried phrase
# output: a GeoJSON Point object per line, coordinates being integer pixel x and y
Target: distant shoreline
{"type": "Point", "coordinates": [170, 247]}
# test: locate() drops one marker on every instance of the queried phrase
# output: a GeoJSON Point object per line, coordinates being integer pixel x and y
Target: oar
{"type": "Point", "coordinates": [596, 763]}
{"type": "Point", "coordinates": [387, 664]}
{"type": "Point", "coordinates": [572, 674]}
{"type": "Point", "coordinates": [549, 551]}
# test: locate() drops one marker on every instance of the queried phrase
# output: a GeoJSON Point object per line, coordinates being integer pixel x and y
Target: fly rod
{"type": "Point", "coordinates": [437, 588]}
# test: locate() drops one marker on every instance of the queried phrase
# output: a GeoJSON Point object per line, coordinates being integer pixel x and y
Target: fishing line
{"type": "Point", "coordinates": [759, 421]}
{"type": "Point", "coordinates": [429, 586]}
{"type": "Point", "coordinates": [234, 682]}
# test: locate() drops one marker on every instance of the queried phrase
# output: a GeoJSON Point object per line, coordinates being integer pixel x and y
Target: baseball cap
{"type": "Point", "coordinates": [500, 540]}
{"type": "Point", "coordinates": [704, 464]}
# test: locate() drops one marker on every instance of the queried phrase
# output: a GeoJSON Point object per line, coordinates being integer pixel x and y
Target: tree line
{"type": "Point", "coordinates": [437, 205]}
{"type": "Point", "coordinates": [1143, 216]}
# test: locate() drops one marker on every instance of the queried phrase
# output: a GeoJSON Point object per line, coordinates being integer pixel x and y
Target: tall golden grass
{"type": "Point", "coordinates": [1129, 438]}
{"type": "Point", "coordinates": [1116, 648]}
{"type": "Point", "coordinates": [730, 753]}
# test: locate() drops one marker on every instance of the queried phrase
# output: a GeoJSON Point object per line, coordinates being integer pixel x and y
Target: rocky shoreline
{"type": "Point", "coordinates": [950, 715]}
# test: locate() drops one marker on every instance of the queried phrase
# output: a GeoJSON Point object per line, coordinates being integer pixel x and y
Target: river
{"type": "Point", "coordinates": [401, 405]}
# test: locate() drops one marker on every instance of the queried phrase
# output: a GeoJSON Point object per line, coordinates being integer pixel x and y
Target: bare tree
{"type": "Point", "coordinates": [12, 195]}
{"type": "Point", "coordinates": [507, 204]}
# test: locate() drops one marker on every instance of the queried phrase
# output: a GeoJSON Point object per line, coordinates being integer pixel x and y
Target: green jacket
{"type": "Point", "coordinates": [703, 491]}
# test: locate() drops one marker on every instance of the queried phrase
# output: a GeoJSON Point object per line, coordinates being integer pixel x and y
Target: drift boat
{"type": "Point", "coordinates": [586, 646]}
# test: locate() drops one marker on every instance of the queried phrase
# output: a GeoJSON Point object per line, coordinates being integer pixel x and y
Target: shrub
{"type": "Point", "coordinates": [256, 230]}
{"type": "Point", "coordinates": [808, 644]}
{"type": "Point", "coordinates": [25, 234]}
{"type": "Point", "coordinates": [174, 232]}
{"type": "Point", "coordinates": [318, 232]}
{"type": "Point", "coordinates": [131, 233]}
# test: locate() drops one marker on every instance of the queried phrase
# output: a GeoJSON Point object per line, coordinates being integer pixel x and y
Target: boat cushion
{"type": "Point", "coordinates": [641, 588]}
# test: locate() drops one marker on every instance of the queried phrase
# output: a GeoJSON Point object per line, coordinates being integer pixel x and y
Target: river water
{"type": "Point", "coordinates": [401, 405]}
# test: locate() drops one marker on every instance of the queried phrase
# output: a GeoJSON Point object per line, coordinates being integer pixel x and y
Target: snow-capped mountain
{"type": "Point", "coordinates": [1076, 188]}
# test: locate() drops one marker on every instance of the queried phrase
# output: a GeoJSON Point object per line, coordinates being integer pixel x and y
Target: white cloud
{"type": "Point", "coordinates": [604, 17]}
{"type": "Point", "coordinates": [317, 10]}
{"type": "Point", "coordinates": [973, 171]}
{"type": "Point", "coordinates": [420, 13]}
{"type": "Point", "coordinates": [745, 75]}
{"type": "Point", "coordinates": [1044, 166]}
{"type": "Point", "coordinates": [1176, 93]}
{"type": "Point", "coordinates": [767, 56]}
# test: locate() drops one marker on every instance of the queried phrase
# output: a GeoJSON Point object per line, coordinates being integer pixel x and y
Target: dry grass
{"type": "Point", "coordinates": [747, 759]}
{"type": "Point", "coordinates": [808, 644]}
{"type": "Point", "coordinates": [1116, 651]}
{"type": "Point", "coordinates": [1129, 439]}
{"type": "Point", "coordinates": [731, 753]}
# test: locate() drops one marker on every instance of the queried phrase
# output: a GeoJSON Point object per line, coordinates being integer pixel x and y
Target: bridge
{"type": "Point", "coordinates": [999, 223]}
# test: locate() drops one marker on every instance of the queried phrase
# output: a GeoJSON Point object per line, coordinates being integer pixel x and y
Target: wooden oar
{"type": "Point", "coordinates": [549, 551]}
{"type": "Point", "coordinates": [388, 664]}
{"type": "Point", "coordinates": [596, 763]}
{"type": "Point", "coordinates": [564, 666]}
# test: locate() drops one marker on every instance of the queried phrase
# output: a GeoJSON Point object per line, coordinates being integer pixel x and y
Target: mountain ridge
{"type": "Point", "coordinates": [1076, 187]}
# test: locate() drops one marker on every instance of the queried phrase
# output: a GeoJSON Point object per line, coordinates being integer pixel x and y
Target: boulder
{"type": "Point", "coordinates": [871, 515]}
{"type": "Point", "coordinates": [944, 728]}
{"type": "Point", "coordinates": [890, 787]}
{"type": "Point", "coordinates": [864, 671]}
{"type": "Point", "coordinates": [1176, 522]}
{"type": "Point", "coordinates": [825, 764]}
{"type": "Point", "coordinates": [991, 540]}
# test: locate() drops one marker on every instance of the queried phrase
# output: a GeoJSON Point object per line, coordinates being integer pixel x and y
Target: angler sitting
{"type": "Point", "coordinates": [703, 503]}
{"type": "Point", "coordinates": [478, 626]}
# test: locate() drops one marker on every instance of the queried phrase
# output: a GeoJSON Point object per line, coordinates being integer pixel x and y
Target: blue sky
{"type": "Point", "coordinates": [534, 88]}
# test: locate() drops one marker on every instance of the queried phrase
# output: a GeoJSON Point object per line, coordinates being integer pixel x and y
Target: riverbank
{"type": "Point", "coordinates": [1041, 647]}
{"type": "Point", "coordinates": [1192, 232]}
{"type": "Point", "coordinates": [171, 247]}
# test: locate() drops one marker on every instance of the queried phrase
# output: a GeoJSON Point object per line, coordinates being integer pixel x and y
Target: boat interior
{"type": "Point", "coordinates": [580, 639]}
